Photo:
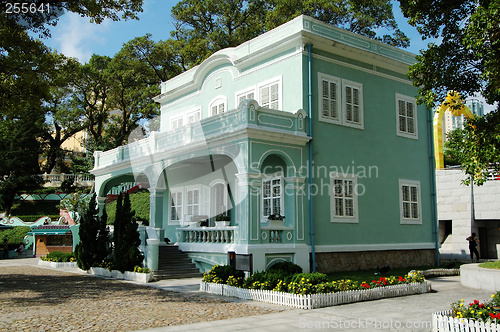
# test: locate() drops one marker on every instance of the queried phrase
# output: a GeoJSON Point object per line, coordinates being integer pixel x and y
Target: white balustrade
{"type": "Point", "coordinates": [207, 234]}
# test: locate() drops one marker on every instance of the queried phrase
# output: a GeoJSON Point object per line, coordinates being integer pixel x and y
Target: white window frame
{"type": "Point", "coordinates": [338, 83]}
{"type": "Point", "coordinates": [267, 84]}
{"type": "Point", "coordinates": [406, 100]}
{"type": "Point", "coordinates": [193, 116]}
{"type": "Point", "coordinates": [353, 85]}
{"type": "Point", "coordinates": [174, 121]}
{"type": "Point", "coordinates": [264, 217]}
{"type": "Point", "coordinates": [217, 102]}
{"type": "Point", "coordinates": [172, 205]}
{"type": "Point", "coordinates": [245, 94]}
{"type": "Point", "coordinates": [187, 213]}
{"type": "Point", "coordinates": [354, 219]}
{"type": "Point", "coordinates": [410, 200]}
{"type": "Point", "coordinates": [213, 199]}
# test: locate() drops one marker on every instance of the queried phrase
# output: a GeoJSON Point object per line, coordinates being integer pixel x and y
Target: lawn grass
{"type": "Point", "coordinates": [370, 275]}
{"type": "Point", "coordinates": [490, 265]}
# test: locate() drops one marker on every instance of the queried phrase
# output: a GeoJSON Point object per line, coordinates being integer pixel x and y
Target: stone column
{"type": "Point", "coordinates": [156, 211]}
{"type": "Point", "coordinates": [101, 203]}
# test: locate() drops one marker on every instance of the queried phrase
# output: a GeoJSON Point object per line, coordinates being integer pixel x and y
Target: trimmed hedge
{"type": "Point", "coordinates": [57, 256]}
{"type": "Point", "coordinates": [301, 283]}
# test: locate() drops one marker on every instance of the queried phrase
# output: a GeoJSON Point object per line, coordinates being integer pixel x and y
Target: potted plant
{"type": "Point", "coordinates": [276, 219]}
{"type": "Point", "coordinates": [222, 220]}
{"type": "Point", "coordinates": [195, 221]}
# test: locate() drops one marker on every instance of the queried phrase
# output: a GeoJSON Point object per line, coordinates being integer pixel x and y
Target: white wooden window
{"type": "Point", "coordinates": [192, 202]}
{"type": "Point", "coordinates": [176, 205]}
{"type": "Point", "coordinates": [340, 101]}
{"type": "Point", "coordinates": [352, 104]}
{"type": "Point", "coordinates": [270, 94]}
{"type": "Point", "coordinates": [406, 115]}
{"type": "Point", "coordinates": [193, 116]}
{"type": "Point", "coordinates": [176, 122]}
{"type": "Point", "coordinates": [343, 198]}
{"type": "Point", "coordinates": [217, 106]}
{"type": "Point", "coordinates": [272, 197]}
{"type": "Point", "coordinates": [248, 94]}
{"type": "Point", "coordinates": [329, 99]}
{"type": "Point", "coordinates": [219, 197]}
{"type": "Point", "coordinates": [410, 202]}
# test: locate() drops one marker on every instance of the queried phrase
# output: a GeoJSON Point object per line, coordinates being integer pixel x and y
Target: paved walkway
{"type": "Point", "coordinates": [409, 313]}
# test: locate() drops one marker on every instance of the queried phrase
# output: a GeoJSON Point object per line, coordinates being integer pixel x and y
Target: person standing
{"type": "Point", "coordinates": [473, 241]}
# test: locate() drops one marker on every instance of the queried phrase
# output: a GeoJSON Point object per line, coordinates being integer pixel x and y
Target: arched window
{"type": "Point", "coordinates": [218, 106]}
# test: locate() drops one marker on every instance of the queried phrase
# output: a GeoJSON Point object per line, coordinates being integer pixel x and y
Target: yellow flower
{"type": "Point", "coordinates": [461, 304]}
{"type": "Point", "coordinates": [472, 311]}
{"type": "Point", "coordinates": [492, 295]}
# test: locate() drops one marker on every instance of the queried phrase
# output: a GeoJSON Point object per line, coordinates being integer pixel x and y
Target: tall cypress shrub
{"type": "Point", "coordinates": [126, 237]}
{"type": "Point", "coordinates": [93, 247]}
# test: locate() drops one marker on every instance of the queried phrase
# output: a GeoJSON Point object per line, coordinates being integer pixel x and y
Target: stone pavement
{"type": "Point", "coordinates": [408, 313]}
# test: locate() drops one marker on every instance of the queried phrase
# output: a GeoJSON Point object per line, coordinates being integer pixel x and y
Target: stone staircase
{"type": "Point", "coordinates": [175, 264]}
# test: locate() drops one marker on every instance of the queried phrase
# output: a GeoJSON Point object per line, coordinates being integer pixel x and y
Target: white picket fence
{"type": "Point", "coordinates": [316, 300]}
{"type": "Point", "coordinates": [443, 322]}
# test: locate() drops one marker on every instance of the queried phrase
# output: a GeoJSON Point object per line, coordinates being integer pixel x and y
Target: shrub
{"type": "Point", "coordinates": [313, 278]}
{"type": "Point", "coordinates": [220, 274]}
{"type": "Point", "coordinates": [14, 235]}
{"type": "Point", "coordinates": [140, 269]}
{"type": "Point", "coordinates": [57, 256]}
{"type": "Point", "coordinates": [287, 267]}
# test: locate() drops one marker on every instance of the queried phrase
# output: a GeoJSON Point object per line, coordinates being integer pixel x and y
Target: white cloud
{"type": "Point", "coordinates": [76, 36]}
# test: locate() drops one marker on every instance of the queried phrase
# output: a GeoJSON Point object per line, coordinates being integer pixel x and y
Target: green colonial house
{"type": "Point", "coordinates": [306, 121]}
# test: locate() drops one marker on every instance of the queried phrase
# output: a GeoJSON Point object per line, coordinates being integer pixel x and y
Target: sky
{"type": "Point", "coordinates": [76, 37]}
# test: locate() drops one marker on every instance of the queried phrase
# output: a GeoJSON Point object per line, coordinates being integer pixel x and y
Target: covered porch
{"type": "Point", "coordinates": [226, 167]}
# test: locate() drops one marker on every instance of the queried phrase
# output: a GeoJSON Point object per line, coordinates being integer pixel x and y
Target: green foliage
{"type": "Point", "coordinates": [14, 235]}
{"type": "Point", "coordinates": [288, 267]}
{"type": "Point", "coordinates": [126, 237]}
{"type": "Point", "coordinates": [57, 256]}
{"type": "Point", "coordinates": [140, 204]}
{"type": "Point", "coordinates": [35, 208]}
{"type": "Point", "coordinates": [467, 58]}
{"type": "Point", "coordinates": [76, 202]}
{"type": "Point", "coordinates": [301, 283]}
{"type": "Point", "coordinates": [313, 278]}
{"type": "Point", "coordinates": [93, 247]}
{"type": "Point", "coordinates": [139, 269]}
{"type": "Point", "coordinates": [220, 274]}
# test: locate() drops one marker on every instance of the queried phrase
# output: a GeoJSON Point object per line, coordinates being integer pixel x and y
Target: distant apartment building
{"type": "Point", "coordinates": [452, 122]}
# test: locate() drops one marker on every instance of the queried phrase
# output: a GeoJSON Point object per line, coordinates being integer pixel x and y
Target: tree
{"type": "Point", "coordinates": [28, 70]}
{"type": "Point", "coordinates": [93, 247]}
{"type": "Point", "coordinates": [126, 237]}
{"type": "Point", "coordinates": [453, 146]}
{"type": "Point", "coordinates": [204, 27]}
{"type": "Point", "coordinates": [467, 60]}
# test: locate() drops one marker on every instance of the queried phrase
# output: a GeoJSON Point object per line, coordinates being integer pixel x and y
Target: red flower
{"type": "Point", "coordinates": [495, 316]}
{"type": "Point", "coordinates": [476, 302]}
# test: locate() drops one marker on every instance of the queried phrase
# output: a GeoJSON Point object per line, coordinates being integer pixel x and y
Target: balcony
{"type": "Point", "coordinates": [250, 119]}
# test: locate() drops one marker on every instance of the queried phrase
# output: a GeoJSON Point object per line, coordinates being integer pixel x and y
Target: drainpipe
{"type": "Point", "coordinates": [432, 165]}
{"type": "Point", "coordinates": [311, 205]}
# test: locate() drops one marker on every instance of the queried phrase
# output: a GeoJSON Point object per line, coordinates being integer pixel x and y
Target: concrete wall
{"type": "Point", "coordinates": [455, 204]}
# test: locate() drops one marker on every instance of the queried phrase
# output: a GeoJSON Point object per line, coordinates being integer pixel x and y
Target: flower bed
{"type": "Point", "coordinates": [127, 275]}
{"type": "Point", "coordinates": [444, 321]}
{"type": "Point", "coordinates": [285, 284]}
{"type": "Point", "coordinates": [473, 317]}
{"type": "Point", "coordinates": [313, 301]}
